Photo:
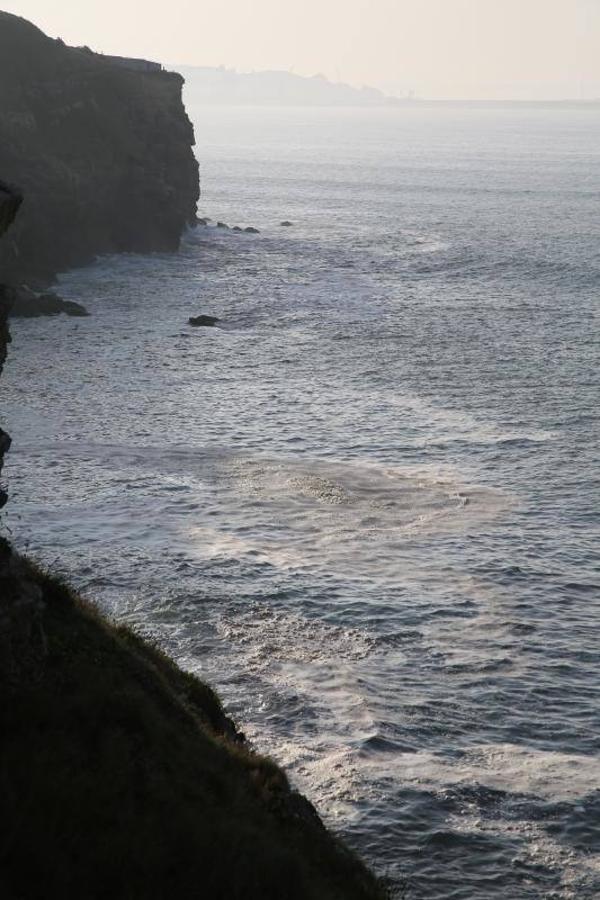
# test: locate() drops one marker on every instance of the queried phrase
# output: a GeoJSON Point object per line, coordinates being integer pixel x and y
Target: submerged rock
{"type": "Point", "coordinates": [202, 221]}
{"type": "Point", "coordinates": [203, 321]}
{"type": "Point", "coordinates": [237, 228]}
{"type": "Point", "coordinates": [222, 225]}
{"type": "Point", "coordinates": [28, 305]}
{"type": "Point", "coordinates": [251, 230]}
{"type": "Point", "coordinates": [286, 224]}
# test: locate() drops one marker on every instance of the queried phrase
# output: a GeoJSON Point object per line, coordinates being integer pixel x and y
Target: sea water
{"type": "Point", "coordinates": [366, 506]}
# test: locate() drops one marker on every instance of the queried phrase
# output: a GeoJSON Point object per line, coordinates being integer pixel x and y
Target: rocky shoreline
{"type": "Point", "coordinates": [27, 304]}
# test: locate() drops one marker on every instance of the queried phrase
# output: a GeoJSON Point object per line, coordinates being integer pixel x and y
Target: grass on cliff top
{"type": "Point", "coordinates": [119, 777]}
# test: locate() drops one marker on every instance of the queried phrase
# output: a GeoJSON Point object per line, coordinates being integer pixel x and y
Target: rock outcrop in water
{"type": "Point", "coordinates": [203, 321]}
{"type": "Point", "coordinates": [102, 149]}
{"type": "Point", "coordinates": [28, 304]}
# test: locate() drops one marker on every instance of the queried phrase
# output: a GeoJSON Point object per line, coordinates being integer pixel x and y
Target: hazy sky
{"type": "Point", "coordinates": [438, 48]}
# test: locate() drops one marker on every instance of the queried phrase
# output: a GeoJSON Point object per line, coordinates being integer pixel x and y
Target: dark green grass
{"type": "Point", "coordinates": [121, 777]}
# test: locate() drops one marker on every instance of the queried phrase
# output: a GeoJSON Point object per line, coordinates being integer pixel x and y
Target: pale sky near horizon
{"type": "Point", "coordinates": [492, 49]}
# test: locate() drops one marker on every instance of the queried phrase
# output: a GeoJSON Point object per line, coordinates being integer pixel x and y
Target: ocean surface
{"type": "Point", "coordinates": [367, 507]}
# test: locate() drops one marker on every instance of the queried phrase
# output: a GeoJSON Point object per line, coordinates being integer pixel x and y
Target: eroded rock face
{"type": "Point", "coordinates": [102, 152]}
{"type": "Point", "coordinates": [10, 201]}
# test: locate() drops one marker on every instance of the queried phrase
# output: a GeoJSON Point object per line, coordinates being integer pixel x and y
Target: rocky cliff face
{"type": "Point", "coordinates": [10, 201]}
{"type": "Point", "coordinates": [102, 151]}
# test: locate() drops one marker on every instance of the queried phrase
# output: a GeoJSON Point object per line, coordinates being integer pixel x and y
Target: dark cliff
{"type": "Point", "coordinates": [103, 153]}
{"type": "Point", "coordinates": [10, 201]}
{"type": "Point", "coordinates": [127, 780]}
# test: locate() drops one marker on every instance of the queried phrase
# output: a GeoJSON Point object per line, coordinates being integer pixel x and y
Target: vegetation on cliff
{"type": "Point", "coordinates": [103, 154]}
{"type": "Point", "coordinates": [123, 777]}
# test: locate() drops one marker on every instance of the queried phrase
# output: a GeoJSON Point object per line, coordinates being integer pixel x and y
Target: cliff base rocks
{"type": "Point", "coordinates": [26, 304]}
{"type": "Point", "coordinates": [10, 201]}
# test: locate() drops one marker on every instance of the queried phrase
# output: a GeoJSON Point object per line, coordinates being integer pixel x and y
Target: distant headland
{"type": "Point", "coordinates": [222, 86]}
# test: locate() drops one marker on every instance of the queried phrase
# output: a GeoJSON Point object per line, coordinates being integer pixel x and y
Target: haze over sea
{"type": "Point", "coordinates": [366, 508]}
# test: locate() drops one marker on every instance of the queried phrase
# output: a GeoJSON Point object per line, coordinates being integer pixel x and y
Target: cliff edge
{"type": "Point", "coordinates": [127, 780]}
{"type": "Point", "coordinates": [102, 149]}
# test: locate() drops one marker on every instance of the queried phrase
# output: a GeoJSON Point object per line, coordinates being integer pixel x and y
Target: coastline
{"type": "Point", "coordinates": [353, 507]}
{"type": "Point", "coordinates": [126, 776]}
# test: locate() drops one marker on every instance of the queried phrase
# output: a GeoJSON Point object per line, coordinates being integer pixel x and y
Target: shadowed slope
{"type": "Point", "coordinates": [122, 776]}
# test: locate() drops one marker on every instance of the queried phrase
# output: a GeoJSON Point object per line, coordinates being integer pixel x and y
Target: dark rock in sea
{"type": "Point", "coordinates": [203, 321]}
{"type": "Point", "coordinates": [286, 224]}
{"type": "Point", "coordinates": [222, 225]}
{"type": "Point", "coordinates": [102, 149]}
{"type": "Point", "coordinates": [237, 228]}
{"type": "Point", "coordinates": [28, 305]}
{"type": "Point", "coordinates": [202, 221]}
{"type": "Point", "coordinates": [251, 230]}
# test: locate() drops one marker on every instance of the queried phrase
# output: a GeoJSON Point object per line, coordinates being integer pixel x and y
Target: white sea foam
{"type": "Point", "coordinates": [339, 514]}
{"type": "Point", "coordinates": [292, 638]}
{"type": "Point", "coordinates": [506, 767]}
{"type": "Point", "coordinates": [576, 871]}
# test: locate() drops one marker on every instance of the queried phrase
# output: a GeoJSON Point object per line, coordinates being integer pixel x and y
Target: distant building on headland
{"type": "Point", "coordinates": [126, 62]}
{"type": "Point", "coordinates": [138, 65]}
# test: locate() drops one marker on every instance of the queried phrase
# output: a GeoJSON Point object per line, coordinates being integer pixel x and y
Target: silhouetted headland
{"type": "Point", "coordinates": [101, 147]}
